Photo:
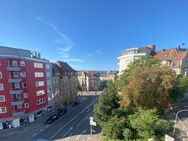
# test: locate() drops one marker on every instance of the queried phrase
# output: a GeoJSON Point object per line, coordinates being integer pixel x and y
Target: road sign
{"type": "Point", "coordinates": [91, 118]}
{"type": "Point", "coordinates": [169, 138]}
{"type": "Point", "coordinates": [93, 123]}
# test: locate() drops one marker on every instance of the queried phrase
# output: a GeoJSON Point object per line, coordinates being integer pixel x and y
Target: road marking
{"type": "Point", "coordinates": [41, 130]}
{"type": "Point", "coordinates": [47, 126]}
{"type": "Point", "coordinates": [68, 132]}
{"type": "Point", "coordinates": [81, 134]}
{"type": "Point", "coordinates": [83, 119]}
{"type": "Point", "coordinates": [34, 134]}
{"type": "Point", "coordinates": [71, 121]}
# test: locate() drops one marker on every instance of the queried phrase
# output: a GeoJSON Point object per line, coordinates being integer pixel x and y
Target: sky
{"type": "Point", "coordinates": [89, 34]}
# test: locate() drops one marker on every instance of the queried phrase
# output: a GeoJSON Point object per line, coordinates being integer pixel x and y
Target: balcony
{"type": "Point", "coordinates": [17, 101]}
{"type": "Point", "coordinates": [14, 80]}
{"type": "Point", "coordinates": [13, 68]}
{"type": "Point", "coordinates": [18, 113]}
{"type": "Point", "coordinates": [16, 91]}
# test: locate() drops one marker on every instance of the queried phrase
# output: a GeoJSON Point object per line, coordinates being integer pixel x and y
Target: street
{"type": "Point", "coordinates": [74, 125]}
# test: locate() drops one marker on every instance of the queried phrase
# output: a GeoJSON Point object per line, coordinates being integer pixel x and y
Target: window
{"type": "Point", "coordinates": [24, 85]}
{"type": "Point", "coordinates": [1, 75]}
{"type": "Point", "coordinates": [1, 87]}
{"type": "Point", "coordinates": [14, 63]}
{"type": "Point", "coordinates": [39, 74]}
{"type": "Point", "coordinates": [17, 85]}
{"type": "Point", "coordinates": [47, 66]}
{"type": "Point", "coordinates": [39, 83]}
{"type": "Point", "coordinates": [26, 105]}
{"type": "Point", "coordinates": [48, 74]}
{"type": "Point", "coordinates": [23, 74]}
{"type": "Point", "coordinates": [41, 101]}
{"type": "Point", "coordinates": [174, 63]}
{"type": "Point", "coordinates": [18, 96]}
{"type": "Point", "coordinates": [2, 98]}
{"type": "Point", "coordinates": [40, 92]}
{"type": "Point", "coordinates": [38, 65]}
{"type": "Point", "coordinates": [19, 106]}
{"type": "Point", "coordinates": [25, 95]}
{"type": "Point", "coordinates": [16, 74]}
{"type": "Point", "coordinates": [3, 109]}
{"type": "Point", "coordinates": [22, 63]}
{"type": "Point", "coordinates": [48, 82]}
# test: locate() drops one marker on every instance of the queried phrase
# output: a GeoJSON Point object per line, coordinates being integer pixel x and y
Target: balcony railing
{"type": "Point", "coordinates": [15, 91]}
{"type": "Point", "coordinates": [18, 113]}
{"type": "Point", "coordinates": [17, 101]}
{"type": "Point", "coordinates": [14, 80]}
{"type": "Point", "coordinates": [13, 68]}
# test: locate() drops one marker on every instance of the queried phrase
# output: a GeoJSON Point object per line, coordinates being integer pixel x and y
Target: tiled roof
{"type": "Point", "coordinates": [59, 67]}
{"type": "Point", "coordinates": [171, 54]}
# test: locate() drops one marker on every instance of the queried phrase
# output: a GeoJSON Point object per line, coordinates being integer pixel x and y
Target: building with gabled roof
{"type": "Point", "coordinates": [175, 58]}
{"type": "Point", "coordinates": [65, 84]}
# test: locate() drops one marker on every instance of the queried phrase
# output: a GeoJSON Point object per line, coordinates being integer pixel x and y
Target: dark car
{"type": "Point", "coordinates": [61, 112]}
{"type": "Point", "coordinates": [52, 119]}
{"type": "Point", "coordinates": [76, 103]}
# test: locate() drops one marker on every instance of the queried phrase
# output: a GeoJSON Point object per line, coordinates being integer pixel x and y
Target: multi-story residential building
{"type": "Point", "coordinates": [89, 80]}
{"type": "Point", "coordinates": [176, 58]}
{"type": "Point", "coordinates": [65, 83]}
{"type": "Point", "coordinates": [112, 75]}
{"type": "Point", "coordinates": [23, 87]}
{"type": "Point", "coordinates": [131, 54]}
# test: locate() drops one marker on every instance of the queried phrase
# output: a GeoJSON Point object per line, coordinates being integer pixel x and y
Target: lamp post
{"type": "Point", "coordinates": [176, 118]}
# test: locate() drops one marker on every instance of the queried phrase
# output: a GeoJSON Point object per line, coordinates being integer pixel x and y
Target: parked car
{"type": "Point", "coordinates": [76, 103]}
{"type": "Point", "coordinates": [52, 119]}
{"type": "Point", "coordinates": [62, 111]}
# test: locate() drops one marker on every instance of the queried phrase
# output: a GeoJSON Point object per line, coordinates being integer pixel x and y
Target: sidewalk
{"type": "Point", "coordinates": [30, 126]}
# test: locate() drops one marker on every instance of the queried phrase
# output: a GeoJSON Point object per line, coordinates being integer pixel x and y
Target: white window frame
{"type": "Point", "coordinates": [14, 63]}
{"type": "Point", "coordinates": [16, 74]}
{"type": "Point", "coordinates": [26, 105]}
{"type": "Point", "coordinates": [25, 95]}
{"type": "Point", "coordinates": [22, 63]}
{"type": "Point", "coordinates": [1, 87]}
{"type": "Point", "coordinates": [17, 85]}
{"type": "Point", "coordinates": [39, 74]}
{"type": "Point", "coordinates": [23, 74]}
{"type": "Point", "coordinates": [39, 83]}
{"type": "Point", "coordinates": [5, 110]}
{"type": "Point", "coordinates": [1, 75]}
{"type": "Point", "coordinates": [2, 98]}
{"type": "Point", "coordinates": [40, 92]}
{"type": "Point", "coordinates": [19, 106]}
{"type": "Point", "coordinates": [23, 85]}
{"type": "Point", "coordinates": [38, 65]}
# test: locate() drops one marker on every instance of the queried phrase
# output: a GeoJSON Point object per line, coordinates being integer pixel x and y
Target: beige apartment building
{"type": "Point", "coordinates": [65, 84]}
{"type": "Point", "coordinates": [176, 58]}
{"type": "Point", "coordinates": [89, 80]}
{"type": "Point", "coordinates": [131, 54]}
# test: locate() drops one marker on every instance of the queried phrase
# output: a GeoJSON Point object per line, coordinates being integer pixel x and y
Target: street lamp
{"type": "Point", "coordinates": [176, 118]}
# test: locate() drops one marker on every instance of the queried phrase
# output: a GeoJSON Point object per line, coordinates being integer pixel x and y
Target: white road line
{"type": "Point", "coordinates": [70, 121]}
{"type": "Point", "coordinates": [68, 132]}
{"type": "Point", "coordinates": [34, 134]}
{"type": "Point", "coordinates": [81, 134]}
{"type": "Point", "coordinates": [83, 120]}
{"type": "Point", "coordinates": [47, 126]}
{"type": "Point", "coordinates": [41, 130]}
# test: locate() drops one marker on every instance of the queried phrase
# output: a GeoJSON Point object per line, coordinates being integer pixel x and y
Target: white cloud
{"type": "Point", "coordinates": [63, 40]}
{"type": "Point", "coordinates": [99, 51]}
{"type": "Point", "coordinates": [73, 60]}
{"type": "Point", "coordinates": [89, 55]}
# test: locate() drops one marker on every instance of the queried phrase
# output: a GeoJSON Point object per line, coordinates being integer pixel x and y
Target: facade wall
{"type": "Point", "coordinates": [20, 106]}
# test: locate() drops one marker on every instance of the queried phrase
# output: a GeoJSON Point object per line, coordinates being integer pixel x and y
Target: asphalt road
{"type": "Point", "coordinates": [74, 125]}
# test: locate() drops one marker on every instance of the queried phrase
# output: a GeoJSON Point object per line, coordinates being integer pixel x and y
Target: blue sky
{"type": "Point", "coordinates": [89, 34]}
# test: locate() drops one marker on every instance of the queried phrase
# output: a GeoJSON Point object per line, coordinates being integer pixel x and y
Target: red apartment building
{"type": "Point", "coordinates": [23, 87]}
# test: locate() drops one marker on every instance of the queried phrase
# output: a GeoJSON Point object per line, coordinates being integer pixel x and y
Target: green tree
{"type": "Point", "coordinates": [114, 128]}
{"type": "Point", "coordinates": [149, 87]}
{"type": "Point", "coordinates": [107, 104]}
{"type": "Point", "coordinates": [143, 122]}
{"type": "Point", "coordinates": [145, 61]}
